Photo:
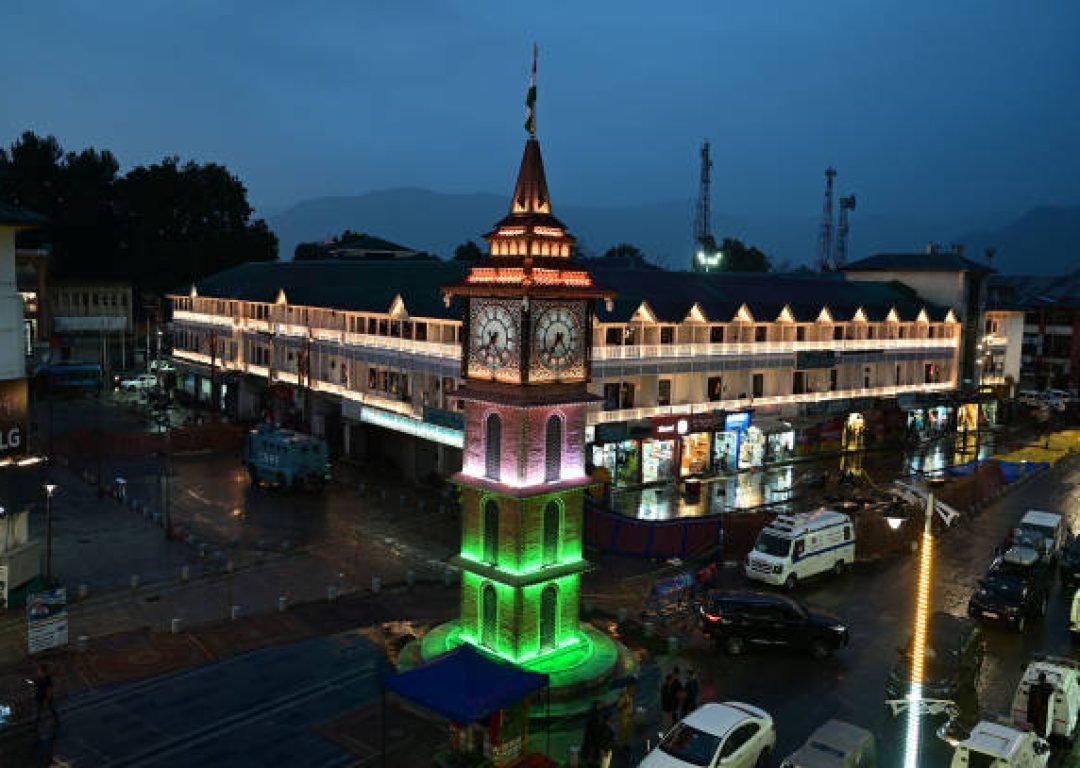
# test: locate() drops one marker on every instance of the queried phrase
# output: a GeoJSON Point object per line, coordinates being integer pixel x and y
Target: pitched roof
{"type": "Point", "coordinates": [10, 216]}
{"type": "Point", "coordinates": [1023, 292]}
{"type": "Point", "coordinates": [358, 286]}
{"type": "Point", "coordinates": [720, 295]}
{"type": "Point", "coordinates": [917, 262]}
{"type": "Point", "coordinates": [365, 242]}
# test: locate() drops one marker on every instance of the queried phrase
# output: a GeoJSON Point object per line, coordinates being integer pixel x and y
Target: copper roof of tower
{"type": "Point", "coordinates": [531, 203]}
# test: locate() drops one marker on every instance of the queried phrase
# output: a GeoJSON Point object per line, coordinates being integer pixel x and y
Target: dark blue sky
{"type": "Point", "coordinates": [956, 106]}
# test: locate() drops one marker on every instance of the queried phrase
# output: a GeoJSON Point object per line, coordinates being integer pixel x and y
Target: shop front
{"type": "Point", "coordinates": [729, 452]}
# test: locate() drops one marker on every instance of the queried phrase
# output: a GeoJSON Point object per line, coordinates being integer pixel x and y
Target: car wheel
{"type": "Point", "coordinates": [819, 649]}
{"type": "Point", "coordinates": [1021, 624]}
{"type": "Point", "coordinates": [734, 645]}
{"type": "Point", "coordinates": [791, 582]}
{"type": "Point", "coordinates": [839, 567]}
{"type": "Point", "coordinates": [763, 759]}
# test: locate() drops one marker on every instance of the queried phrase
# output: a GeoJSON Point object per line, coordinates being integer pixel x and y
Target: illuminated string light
{"type": "Point", "coordinates": [918, 641]}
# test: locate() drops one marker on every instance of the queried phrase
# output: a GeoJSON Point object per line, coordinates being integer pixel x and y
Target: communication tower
{"type": "Point", "coordinates": [847, 204]}
{"type": "Point", "coordinates": [825, 233]}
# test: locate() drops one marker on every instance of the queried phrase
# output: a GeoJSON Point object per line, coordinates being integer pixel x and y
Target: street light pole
{"type": "Point", "coordinates": [50, 488]}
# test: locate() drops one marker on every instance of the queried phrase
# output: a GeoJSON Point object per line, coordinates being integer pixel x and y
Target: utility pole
{"type": "Point", "coordinates": [825, 231]}
{"type": "Point", "coordinates": [847, 204]}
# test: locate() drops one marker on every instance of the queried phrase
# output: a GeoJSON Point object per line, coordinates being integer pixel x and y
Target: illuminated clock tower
{"type": "Point", "coordinates": [525, 357]}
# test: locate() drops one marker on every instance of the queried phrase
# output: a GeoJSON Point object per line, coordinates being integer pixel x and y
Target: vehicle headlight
{"type": "Point", "coordinates": [778, 569]}
{"type": "Point", "coordinates": [839, 628]}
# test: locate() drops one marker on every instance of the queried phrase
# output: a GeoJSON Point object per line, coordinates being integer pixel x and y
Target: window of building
{"type": "Point", "coordinates": [626, 395]}
{"type": "Point", "coordinates": [663, 392]}
{"type": "Point", "coordinates": [800, 333]}
{"type": "Point", "coordinates": [491, 532]}
{"type": "Point", "coordinates": [489, 629]}
{"type": "Point", "coordinates": [715, 387]}
{"type": "Point", "coordinates": [549, 614]}
{"type": "Point", "coordinates": [897, 378]}
{"type": "Point", "coordinates": [716, 334]}
{"type": "Point", "coordinates": [372, 326]}
{"type": "Point", "coordinates": [552, 532]}
{"type": "Point", "coordinates": [761, 333]}
{"type": "Point", "coordinates": [611, 397]}
{"type": "Point", "coordinates": [838, 333]}
{"type": "Point", "coordinates": [493, 447]}
{"type": "Point", "coordinates": [553, 440]}
{"type": "Point", "coordinates": [667, 334]}
{"type": "Point", "coordinates": [758, 384]}
{"type": "Point", "coordinates": [420, 331]}
{"type": "Point", "coordinates": [798, 383]}
{"type": "Point", "coordinates": [834, 379]}
{"type": "Point", "coordinates": [613, 337]}
{"type": "Point", "coordinates": [868, 377]}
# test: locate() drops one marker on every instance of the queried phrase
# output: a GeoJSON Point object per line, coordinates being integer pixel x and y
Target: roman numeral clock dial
{"type": "Point", "coordinates": [494, 337]}
{"type": "Point", "coordinates": [557, 339]}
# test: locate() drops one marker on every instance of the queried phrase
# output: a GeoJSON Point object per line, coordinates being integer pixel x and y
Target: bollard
{"type": "Point", "coordinates": [185, 573]}
{"type": "Point", "coordinates": [672, 644]}
{"type": "Point", "coordinates": [282, 603]}
{"type": "Point", "coordinates": [376, 585]}
{"type": "Point", "coordinates": [134, 581]}
{"type": "Point", "coordinates": [331, 593]}
{"type": "Point", "coordinates": [410, 579]}
{"type": "Point", "coordinates": [82, 643]}
{"type": "Point", "coordinates": [84, 591]}
{"type": "Point", "coordinates": [176, 626]}
{"type": "Point", "coordinates": [234, 613]}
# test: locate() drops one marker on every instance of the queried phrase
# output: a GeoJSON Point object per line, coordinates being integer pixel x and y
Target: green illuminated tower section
{"type": "Point", "coordinates": [525, 357]}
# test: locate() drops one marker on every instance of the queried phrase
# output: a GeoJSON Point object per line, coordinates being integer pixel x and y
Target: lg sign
{"type": "Point", "coordinates": [12, 416]}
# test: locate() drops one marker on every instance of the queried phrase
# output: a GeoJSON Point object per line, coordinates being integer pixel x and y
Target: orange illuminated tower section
{"type": "Point", "coordinates": [528, 311]}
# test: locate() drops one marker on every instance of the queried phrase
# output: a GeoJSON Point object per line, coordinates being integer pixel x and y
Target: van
{"type": "Point", "coordinates": [1045, 531]}
{"type": "Point", "coordinates": [290, 459]}
{"type": "Point", "coordinates": [795, 547]}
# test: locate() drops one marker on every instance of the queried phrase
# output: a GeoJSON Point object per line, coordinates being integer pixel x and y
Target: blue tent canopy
{"type": "Point", "coordinates": [464, 686]}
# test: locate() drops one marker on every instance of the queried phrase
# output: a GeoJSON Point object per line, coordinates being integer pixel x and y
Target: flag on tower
{"type": "Point", "coordinates": [530, 100]}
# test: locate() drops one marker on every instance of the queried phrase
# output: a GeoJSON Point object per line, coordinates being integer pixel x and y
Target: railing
{"type": "Point", "coordinates": [631, 414]}
{"type": "Point", "coordinates": [638, 351]}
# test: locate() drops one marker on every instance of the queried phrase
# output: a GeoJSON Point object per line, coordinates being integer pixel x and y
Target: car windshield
{"type": "Point", "coordinates": [1014, 570]}
{"type": "Point", "coordinates": [771, 544]}
{"type": "Point", "coordinates": [1004, 586]}
{"type": "Point", "coordinates": [690, 745]}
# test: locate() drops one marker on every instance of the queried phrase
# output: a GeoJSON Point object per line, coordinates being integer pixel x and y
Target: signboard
{"type": "Point", "coordinates": [610, 433]}
{"type": "Point", "coordinates": [805, 361]}
{"type": "Point", "coordinates": [13, 417]}
{"type": "Point", "coordinates": [706, 422]}
{"type": "Point", "coordinates": [736, 422]}
{"type": "Point", "coordinates": [443, 418]}
{"type": "Point", "coordinates": [670, 427]}
{"type": "Point", "coordinates": [46, 619]}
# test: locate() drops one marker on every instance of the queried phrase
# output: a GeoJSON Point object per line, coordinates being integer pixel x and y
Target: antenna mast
{"type": "Point", "coordinates": [847, 204]}
{"type": "Point", "coordinates": [825, 234]}
{"type": "Point", "coordinates": [706, 257]}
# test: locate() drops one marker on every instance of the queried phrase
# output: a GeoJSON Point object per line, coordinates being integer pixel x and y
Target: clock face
{"type": "Point", "coordinates": [494, 336]}
{"type": "Point", "coordinates": [557, 339]}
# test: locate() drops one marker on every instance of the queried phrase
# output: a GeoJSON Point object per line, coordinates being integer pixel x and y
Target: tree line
{"type": "Point", "coordinates": [159, 227]}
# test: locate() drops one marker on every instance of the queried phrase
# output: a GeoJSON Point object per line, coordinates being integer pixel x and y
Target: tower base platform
{"type": "Point", "coordinates": [579, 673]}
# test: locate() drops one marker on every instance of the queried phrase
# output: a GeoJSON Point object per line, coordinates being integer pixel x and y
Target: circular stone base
{"type": "Point", "coordinates": [578, 674]}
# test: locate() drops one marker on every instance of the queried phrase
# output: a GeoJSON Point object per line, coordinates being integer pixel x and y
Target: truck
{"type": "Point", "coordinates": [289, 459]}
{"type": "Point", "coordinates": [795, 547]}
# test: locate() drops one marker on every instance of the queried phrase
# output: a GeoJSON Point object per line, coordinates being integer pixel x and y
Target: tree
{"type": "Point", "coordinates": [624, 251]}
{"type": "Point", "coordinates": [738, 258]}
{"type": "Point", "coordinates": [468, 251]}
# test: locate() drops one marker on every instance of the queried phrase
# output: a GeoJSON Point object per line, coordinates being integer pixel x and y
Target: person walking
{"type": "Point", "coordinates": [605, 740]}
{"type": "Point", "coordinates": [690, 693]}
{"type": "Point", "coordinates": [43, 696]}
{"type": "Point", "coordinates": [667, 700]}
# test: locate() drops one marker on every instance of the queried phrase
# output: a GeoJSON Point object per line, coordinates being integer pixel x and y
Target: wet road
{"type": "Point", "coordinates": [877, 603]}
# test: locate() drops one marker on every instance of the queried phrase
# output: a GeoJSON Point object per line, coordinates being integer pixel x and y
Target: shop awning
{"type": "Point", "coordinates": [464, 686]}
{"type": "Point", "coordinates": [772, 426]}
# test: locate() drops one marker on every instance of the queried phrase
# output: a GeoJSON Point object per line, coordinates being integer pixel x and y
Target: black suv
{"type": "Point", "coordinates": [1069, 566]}
{"type": "Point", "coordinates": [954, 658]}
{"type": "Point", "coordinates": [1014, 590]}
{"type": "Point", "coordinates": [734, 620]}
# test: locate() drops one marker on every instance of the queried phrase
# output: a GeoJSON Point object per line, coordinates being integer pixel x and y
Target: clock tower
{"type": "Point", "coordinates": [526, 345]}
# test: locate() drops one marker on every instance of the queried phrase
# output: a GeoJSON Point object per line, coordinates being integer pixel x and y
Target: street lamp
{"type": "Point", "coordinates": [50, 489]}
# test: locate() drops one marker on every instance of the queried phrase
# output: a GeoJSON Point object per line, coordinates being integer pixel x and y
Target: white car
{"type": "Point", "coordinates": [162, 366]}
{"type": "Point", "coordinates": [139, 383]}
{"type": "Point", "coordinates": [728, 735]}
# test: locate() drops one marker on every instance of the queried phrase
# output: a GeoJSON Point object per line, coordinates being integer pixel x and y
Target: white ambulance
{"type": "Point", "coordinates": [795, 547]}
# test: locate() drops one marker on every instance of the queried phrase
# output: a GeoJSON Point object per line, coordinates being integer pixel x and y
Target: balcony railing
{"type": "Point", "coordinates": [640, 351]}
{"type": "Point", "coordinates": [632, 414]}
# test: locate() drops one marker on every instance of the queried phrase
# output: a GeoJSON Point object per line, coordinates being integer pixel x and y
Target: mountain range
{"type": "Point", "coordinates": [1044, 240]}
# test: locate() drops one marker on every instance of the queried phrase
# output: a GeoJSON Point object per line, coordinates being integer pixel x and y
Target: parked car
{"type": "Point", "coordinates": [1047, 532]}
{"type": "Point", "coordinates": [139, 382]}
{"type": "Point", "coordinates": [954, 659]}
{"type": "Point", "coordinates": [836, 744]}
{"type": "Point", "coordinates": [1069, 565]}
{"type": "Point", "coordinates": [1014, 591]}
{"type": "Point", "coordinates": [732, 734]}
{"type": "Point", "coordinates": [734, 620]}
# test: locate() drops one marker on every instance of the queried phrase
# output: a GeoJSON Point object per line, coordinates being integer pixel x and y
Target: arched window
{"type": "Point", "coordinates": [549, 616]}
{"type": "Point", "coordinates": [553, 449]}
{"type": "Point", "coordinates": [492, 446]}
{"type": "Point", "coordinates": [552, 532]}
{"type": "Point", "coordinates": [489, 629]}
{"type": "Point", "coordinates": [491, 532]}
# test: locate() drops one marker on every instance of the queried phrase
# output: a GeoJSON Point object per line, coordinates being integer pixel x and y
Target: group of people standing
{"type": "Point", "coordinates": [678, 695]}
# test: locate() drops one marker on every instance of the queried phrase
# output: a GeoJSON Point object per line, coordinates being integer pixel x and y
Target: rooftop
{"type": "Point", "coordinates": [10, 216]}
{"type": "Point", "coordinates": [933, 261]}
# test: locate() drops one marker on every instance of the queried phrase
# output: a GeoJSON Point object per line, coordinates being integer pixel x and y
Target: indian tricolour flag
{"type": "Point", "coordinates": [530, 100]}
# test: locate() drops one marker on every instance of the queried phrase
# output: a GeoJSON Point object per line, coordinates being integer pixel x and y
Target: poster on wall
{"type": "Point", "coordinates": [46, 620]}
{"type": "Point", "coordinates": [13, 417]}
